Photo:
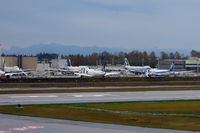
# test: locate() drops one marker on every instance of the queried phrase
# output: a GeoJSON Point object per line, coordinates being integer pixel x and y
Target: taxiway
{"type": "Point", "coordinates": [50, 98]}
{"type": "Point", "coordinates": [17, 124]}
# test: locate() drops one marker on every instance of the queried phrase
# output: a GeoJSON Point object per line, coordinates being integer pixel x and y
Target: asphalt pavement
{"type": "Point", "coordinates": [15, 124]}
{"type": "Point", "coordinates": [48, 98]}
{"type": "Point", "coordinates": [24, 124]}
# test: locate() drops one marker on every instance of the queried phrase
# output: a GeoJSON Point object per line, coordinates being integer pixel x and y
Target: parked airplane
{"type": "Point", "coordinates": [140, 69]}
{"type": "Point", "coordinates": [111, 72]}
{"type": "Point", "coordinates": [71, 68]}
{"type": "Point", "coordinates": [185, 73]}
{"type": "Point", "coordinates": [10, 69]}
{"type": "Point", "coordinates": [12, 72]}
{"type": "Point", "coordinates": [159, 72]}
{"type": "Point", "coordinates": [87, 72]}
{"type": "Point", "coordinates": [1, 73]}
{"type": "Point", "coordinates": [16, 75]}
{"type": "Point", "coordinates": [83, 71]}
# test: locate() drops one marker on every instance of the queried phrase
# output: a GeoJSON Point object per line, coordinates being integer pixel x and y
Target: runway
{"type": "Point", "coordinates": [18, 124]}
{"type": "Point", "coordinates": [48, 98]}
{"type": "Point", "coordinates": [14, 124]}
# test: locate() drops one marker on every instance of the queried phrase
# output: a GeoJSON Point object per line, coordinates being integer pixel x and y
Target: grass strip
{"type": "Point", "coordinates": [179, 115]}
{"type": "Point", "coordinates": [95, 84]}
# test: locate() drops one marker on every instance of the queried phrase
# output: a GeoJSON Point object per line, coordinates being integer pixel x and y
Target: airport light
{"type": "Point", "coordinates": [19, 106]}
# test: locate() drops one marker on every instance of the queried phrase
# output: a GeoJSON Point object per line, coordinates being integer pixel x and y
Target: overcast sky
{"type": "Point", "coordinates": [108, 23]}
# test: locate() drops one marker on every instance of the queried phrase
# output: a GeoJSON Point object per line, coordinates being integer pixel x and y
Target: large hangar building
{"type": "Point", "coordinates": [191, 64]}
{"type": "Point", "coordinates": [165, 64]}
{"type": "Point", "coordinates": [24, 62]}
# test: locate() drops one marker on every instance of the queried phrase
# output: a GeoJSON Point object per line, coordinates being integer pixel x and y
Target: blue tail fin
{"type": "Point", "coordinates": [172, 67]}
{"type": "Point", "coordinates": [104, 66]}
{"type": "Point", "coordinates": [68, 62]}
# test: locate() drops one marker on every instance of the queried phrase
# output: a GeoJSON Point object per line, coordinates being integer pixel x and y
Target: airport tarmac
{"type": "Point", "coordinates": [17, 124]}
{"type": "Point", "coordinates": [14, 124]}
{"type": "Point", "coordinates": [103, 87]}
{"type": "Point", "coordinates": [48, 98]}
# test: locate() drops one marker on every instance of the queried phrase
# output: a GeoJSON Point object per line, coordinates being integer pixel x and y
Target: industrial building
{"type": "Point", "coordinates": [10, 61]}
{"type": "Point", "coordinates": [165, 64]}
{"type": "Point", "coordinates": [42, 66]}
{"type": "Point", "coordinates": [24, 62]}
{"type": "Point", "coordinates": [59, 62]}
{"type": "Point", "coordinates": [191, 64]}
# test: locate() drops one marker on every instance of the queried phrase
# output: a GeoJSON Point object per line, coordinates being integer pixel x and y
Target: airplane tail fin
{"type": "Point", "coordinates": [3, 65]}
{"type": "Point", "coordinates": [126, 63]}
{"type": "Point", "coordinates": [172, 67]}
{"type": "Point", "coordinates": [104, 66]}
{"type": "Point", "coordinates": [69, 62]}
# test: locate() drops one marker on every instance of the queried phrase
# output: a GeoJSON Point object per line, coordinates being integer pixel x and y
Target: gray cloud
{"type": "Point", "coordinates": [126, 23]}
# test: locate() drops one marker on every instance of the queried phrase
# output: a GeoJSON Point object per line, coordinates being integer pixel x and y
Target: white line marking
{"type": "Point", "coordinates": [93, 95]}
{"type": "Point", "coordinates": [32, 96]}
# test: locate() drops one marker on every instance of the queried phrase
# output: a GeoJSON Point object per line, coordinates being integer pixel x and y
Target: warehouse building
{"type": "Point", "coordinates": [165, 64]}
{"type": "Point", "coordinates": [59, 62]}
{"type": "Point", "coordinates": [29, 62]}
{"type": "Point", "coordinates": [10, 61]}
{"type": "Point", "coordinates": [193, 64]}
{"type": "Point", "coordinates": [24, 62]}
{"type": "Point", "coordinates": [42, 66]}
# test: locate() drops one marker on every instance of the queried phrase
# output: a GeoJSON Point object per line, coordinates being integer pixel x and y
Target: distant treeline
{"type": "Point", "coordinates": [134, 57]}
{"type": "Point", "coordinates": [137, 58]}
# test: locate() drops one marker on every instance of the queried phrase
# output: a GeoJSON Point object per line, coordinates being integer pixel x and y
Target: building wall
{"type": "Point", "coordinates": [181, 65]}
{"type": "Point", "coordinates": [24, 62]}
{"type": "Point", "coordinates": [41, 67]}
{"type": "Point", "coordinates": [165, 64]}
{"type": "Point", "coordinates": [29, 62]}
{"type": "Point", "coordinates": [9, 60]}
{"type": "Point", "coordinates": [193, 65]}
{"type": "Point", "coordinates": [58, 63]}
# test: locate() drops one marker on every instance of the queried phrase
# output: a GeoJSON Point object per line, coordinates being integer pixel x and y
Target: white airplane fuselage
{"type": "Point", "coordinates": [2, 73]}
{"type": "Point", "coordinates": [87, 72]}
{"type": "Point", "coordinates": [137, 68]}
{"type": "Point", "coordinates": [12, 69]}
{"type": "Point", "coordinates": [160, 72]}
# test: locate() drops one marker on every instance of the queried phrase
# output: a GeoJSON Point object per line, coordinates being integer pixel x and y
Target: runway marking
{"type": "Point", "coordinates": [21, 129]}
{"type": "Point", "coordinates": [93, 95]}
{"type": "Point", "coordinates": [32, 96]}
{"type": "Point", "coordinates": [25, 128]}
{"type": "Point", "coordinates": [5, 131]}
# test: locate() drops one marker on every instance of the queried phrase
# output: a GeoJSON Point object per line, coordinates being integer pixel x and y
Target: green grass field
{"type": "Point", "coordinates": [181, 115]}
{"type": "Point", "coordinates": [96, 84]}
